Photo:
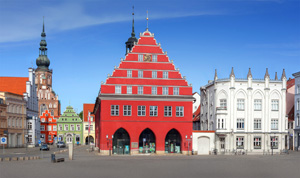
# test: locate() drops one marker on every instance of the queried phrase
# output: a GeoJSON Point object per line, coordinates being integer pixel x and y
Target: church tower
{"type": "Point", "coordinates": [48, 100]}
{"type": "Point", "coordinates": [132, 40]}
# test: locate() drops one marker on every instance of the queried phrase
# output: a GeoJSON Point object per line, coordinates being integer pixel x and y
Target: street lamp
{"type": "Point", "coordinates": [109, 144]}
{"type": "Point", "coordinates": [188, 140]}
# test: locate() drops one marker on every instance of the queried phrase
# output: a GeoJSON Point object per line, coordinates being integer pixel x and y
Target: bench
{"type": "Point", "coordinates": [60, 160]}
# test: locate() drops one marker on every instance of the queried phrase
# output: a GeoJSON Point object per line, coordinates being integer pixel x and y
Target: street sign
{"type": "Point", "coordinates": [59, 138]}
{"type": "Point", "coordinates": [39, 141]}
{"type": "Point", "coordinates": [3, 140]}
{"type": "Point", "coordinates": [55, 138]}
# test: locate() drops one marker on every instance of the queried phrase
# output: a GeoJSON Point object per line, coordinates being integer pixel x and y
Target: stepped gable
{"type": "Point", "coordinates": [153, 59]}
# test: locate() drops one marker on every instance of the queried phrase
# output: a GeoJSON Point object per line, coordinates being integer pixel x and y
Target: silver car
{"type": "Point", "coordinates": [61, 144]}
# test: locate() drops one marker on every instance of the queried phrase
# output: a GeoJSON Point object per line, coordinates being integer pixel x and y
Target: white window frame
{"type": "Point", "coordinates": [118, 89]}
{"type": "Point", "coordinates": [165, 91]}
{"type": "Point", "coordinates": [49, 128]}
{"type": "Point", "coordinates": [54, 127]}
{"type": "Point", "coordinates": [129, 73]}
{"type": "Point", "coordinates": [274, 142]}
{"type": "Point", "coordinates": [78, 127]}
{"type": "Point", "coordinates": [221, 123]}
{"type": "Point", "coordinates": [29, 125]}
{"type": "Point", "coordinates": [165, 74]}
{"type": "Point", "coordinates": [129, 89]}
{"type": "Point", "coordinates": [275, 105]}
{"type": "Point", "coordinates": [176, 91]}
{"type": "Point", "coordinates": [223, 103]}
{"type": "Point", "coordinates": [141, 111]}
{"type": "Point", "coordinates": [153, 111]}
{"type": "Point", "coordinates": [126, 110]}
{"type": "Point", "coordinates": [154, 90]}
{"type": "Point", "coordinates": [140, 57]}
{"type": "Point", "coordinates": [257, 142]}
{"type": "Point", "coordinates": [114, 110]}
{"type": "Point", "coordinates": [154, 74]}
{"type": "Point", "coordinates": [168, 111]}
{"type": "Point", "coordinates": [72, 127]}
{"type": "Point", "coordinates": [140, 90]}
{"type": "Point", "coordinates": [257, 124]}
{"type": "Point", "coordinates": [60, 127]}
{"type": "Point", "coordinates": [240, 123]}
{"type": "Point", "coordinates": [66, 127]}
{"type": "Point", "coordinates": [240, 104]}
{"type": "Point", "coordinates": [239, 142]}
{"type": "Point", "coordinates": [154, 58]}
{"type": "Point", "coordinates": [140, 74]}
{"type": "Point", "coordinates": [257, 104]}
{"type": "Point", "coordinates": [274, 124]}
{"type": "Point", "coordinates": [179, 111]}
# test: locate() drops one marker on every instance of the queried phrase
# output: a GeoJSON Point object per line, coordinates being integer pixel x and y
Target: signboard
{"type": "Point", "coordinates": [39, 141]}
{"type": "Point", "coordinates": [55, 138]}
{"type": "Point", "coordinates": [59, 138]}
{"type": "Point", "coordinates": [3, 140]}
{"type": "Point", "coordinates": [134, 145]}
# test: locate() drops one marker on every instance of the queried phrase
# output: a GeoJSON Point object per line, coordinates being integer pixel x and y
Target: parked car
{"type": "Point", "coordinates": [61, 144]}
{"type": "Point", "coordinates": [44, 147]}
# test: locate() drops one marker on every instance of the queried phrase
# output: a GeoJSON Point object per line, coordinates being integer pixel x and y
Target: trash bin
{"type": "Point", "coordinates": [53, 158]}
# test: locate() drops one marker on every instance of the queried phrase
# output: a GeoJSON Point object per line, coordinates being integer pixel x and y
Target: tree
{"type": "Point", "coordinates": [81, 114]}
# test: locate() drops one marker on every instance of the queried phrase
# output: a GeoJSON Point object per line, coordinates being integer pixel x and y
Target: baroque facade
{"type": "Point", "coordinates": [248, 115]}
{"type": "Point", "coordinates": [48, 127]}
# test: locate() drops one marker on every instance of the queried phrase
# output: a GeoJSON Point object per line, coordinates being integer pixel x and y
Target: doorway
{"type": "Point", "coordinates": [147, 141]}
{"type": "Point", "coordinates": [173, 142]}
{"type": "Point", "coordinates": [121, 142]}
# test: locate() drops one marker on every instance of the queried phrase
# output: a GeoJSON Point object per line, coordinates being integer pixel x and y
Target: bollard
{"type": "Point", "coordinates": [71, 151]}
{"type": "Point", "coordinates": [53, 158]}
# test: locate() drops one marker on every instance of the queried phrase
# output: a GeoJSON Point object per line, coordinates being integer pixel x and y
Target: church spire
{"type": "Point", "coordinates": [267, 73]}
{"type": "Point", "coordinates": [249, 73]}
{"type": "Point", "coordinates": [42, 61]}
{"type": "Point", "coordinates": [232, 73]}
{"type": "Point", "coordinates": [216, 75]}
{"type": "Point", "coordinates": [132, 40]}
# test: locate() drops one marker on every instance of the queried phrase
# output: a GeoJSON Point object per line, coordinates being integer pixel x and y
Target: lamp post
{"type": "Point", "coordinates": [109, 144]}
{"type": "Point", "coordinates": [188, 140]}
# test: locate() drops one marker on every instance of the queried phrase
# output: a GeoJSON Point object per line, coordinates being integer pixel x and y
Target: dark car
{"type": "Point", "coordinates": [61, 144]}
{"type": "Point", "coordinates": [44, 147]}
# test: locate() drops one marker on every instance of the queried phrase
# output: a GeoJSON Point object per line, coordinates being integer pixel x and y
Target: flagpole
{"type": "Point", "coordinates": [89, 117]}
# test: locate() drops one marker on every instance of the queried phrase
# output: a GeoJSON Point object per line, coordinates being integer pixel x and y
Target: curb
{"type": "Point", "coordinates": [20, 158]}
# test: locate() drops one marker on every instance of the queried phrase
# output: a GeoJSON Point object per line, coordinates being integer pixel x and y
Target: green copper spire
{"type": "Point", "coordinates": [42, 61]}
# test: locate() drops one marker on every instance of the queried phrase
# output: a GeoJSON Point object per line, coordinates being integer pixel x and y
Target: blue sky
{"type": "Point", "coordinates": [86, 39]}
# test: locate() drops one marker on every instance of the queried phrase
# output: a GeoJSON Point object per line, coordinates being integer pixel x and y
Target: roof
{"type": "Point", "coordinates": [86, 109]}
{"type": "Point", "coordinates": [291, 114]}
{"type": "Point", "coordinates": [197, 114]}
{"type": "Point", "coordinates": [16, 85]}
{"type": "Point", "coordinates": [290, 83]}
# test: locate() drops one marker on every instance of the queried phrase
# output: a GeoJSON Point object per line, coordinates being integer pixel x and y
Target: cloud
{"type": "Point", "coordinates": [26, 24]}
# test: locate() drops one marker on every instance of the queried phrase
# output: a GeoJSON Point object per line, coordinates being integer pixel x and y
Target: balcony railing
{"type": "Point", "coordinates": [221, 108]}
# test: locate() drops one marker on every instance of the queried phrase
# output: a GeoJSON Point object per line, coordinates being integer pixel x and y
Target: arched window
{"type": "Point", "coordinates": [50, 105]}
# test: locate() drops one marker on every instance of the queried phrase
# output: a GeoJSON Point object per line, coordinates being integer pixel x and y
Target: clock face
{"type": "Point", "coordinates": [147, 58]}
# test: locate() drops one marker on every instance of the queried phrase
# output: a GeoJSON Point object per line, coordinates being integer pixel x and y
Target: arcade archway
{"type": "Point", "coordinates": [147, 141]}
{"type": "Point", "coordinates": [89, 140]}
{"type": "Point", "coordinates": [121, 142]}
{"type": "Point", "coordinates": [173, 142]}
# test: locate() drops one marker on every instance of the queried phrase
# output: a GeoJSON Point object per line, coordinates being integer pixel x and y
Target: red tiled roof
{"type": "Point", "coordinates": [197, 114]}
{"type": "Point", "coordinates": [86, 109]}
{"type": "Point", "coordinates": [290, 83]}
{"type": "Point", "coordinates": [15, 85]}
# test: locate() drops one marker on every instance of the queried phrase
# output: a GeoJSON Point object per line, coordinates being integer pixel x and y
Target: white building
{"type": "Point", "coordinates": [196, 103]}
{"type": "Point", "coordinates": [248, 115]}
{"type": "Point", "coordinates": [297, 112]}
{"type": "Point", "coordinates": [32, 117]}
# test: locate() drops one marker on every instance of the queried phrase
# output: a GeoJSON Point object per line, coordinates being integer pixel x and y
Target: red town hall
{"type": "Point", "coordinates": [145, 106]}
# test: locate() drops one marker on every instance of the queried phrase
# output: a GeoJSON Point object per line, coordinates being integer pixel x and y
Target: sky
{"type": "Point", "coordinates": [86, 39]}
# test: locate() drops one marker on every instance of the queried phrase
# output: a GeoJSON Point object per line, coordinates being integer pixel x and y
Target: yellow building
{"type": "Point", "coordinates": [89, 137]}
{"type": "Point", "coordinates": [16, 118]}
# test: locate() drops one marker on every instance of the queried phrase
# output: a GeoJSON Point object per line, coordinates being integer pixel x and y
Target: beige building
{"type": "Point", "coordinates": [16, 118]}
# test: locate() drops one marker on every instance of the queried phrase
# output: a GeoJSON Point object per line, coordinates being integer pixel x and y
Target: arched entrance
{"type": "Point", "coordinates": [69, 138]}
{"type": "Point", "coordinates": [147, 141]}
{"type": "Point", "coordinates": [121, 142]}
{"type": "Point", "coordinates": [173, 142]}
{"type": "Point", "coordinates": [89, 139]}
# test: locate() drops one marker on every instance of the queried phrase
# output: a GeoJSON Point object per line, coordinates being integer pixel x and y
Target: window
{"type": "Point", "coordinates": [179, 111]}
{"type": "Point", "coordinates": [165, 90]}
{"type": "Point", "coordinates": [240, 123]}
{"type": "Point", "coordinates": [241, 104]}
{"type": "Point", "coordinates": [114, 110]}
{"type": "Point", "coordinates": [129, 73]}
{"type": "Point", "coordinates": [154, 58]}
{"type": "Point", "coordinates": [49, 120]}
{"type": "Point", "coordinates": [78, 127]}
{"type": "Point", "coordinates": [29, 138]}
{"type": "Point", "coordinates": [91, 127]}
{"type": "Point", "coordinates": [140, 58]}
{"type": "Point", "coordinates": [257, 142]}
{"type": "Point", "coordinates": [298, 89]}
{"type": "Point", "coordinates": [223, 104]}
{"type": "Point", "coordinates": [275, 105]}
{"type": "Point", "coordinates": [72, 127]}
{"type": "Point", "coordinates": [77, 138]}
{"type": "Point", "coordinates": [54, 128]}
{"type": "Point", "coordinates": [165, 74]}
{"type": "Point", "coordinates": [43, 119]}
{"type": "Point", "coordinates": [274, 142]}
{"type": "Point", "coordinates": [153, 110]}
{"type": "Point", "coordinates": [257, 124]}
{"type": "Point", "coordinates": [29, 125]}
{"type": "Point", "coordinates": [221, 123]}
{"type": "Point", "coordinates": [118, 90]}
{"type": "Point", "coordinates": [49, 128]}
{"type": "Point", "coordinates": [87, 127]}
{"type": "Point", "coordinates": [168, 111]}
{"type": "Point", "coordinates": [154, 74]}
{"type": "Point", "coordinates": [154, 90]}
{"type": "Point", "coordinates": [49, 137]}
{"type": "Point", "coordinates": [274, 124]}
{"type": "Point", "coordinates": [42, 127]}
{"type": "Point", "coordinates": [298, 120]}
{"type": "Point", "coordinates": [175, 91]}
{"type": "Point", "coordinates": [66, 127]}
{"type": "Point", "coordinates": [239, 142]}
{"type": "Point", "coordinates": [257, 105]}
{"type": "Point", "coordinates": [60, 127]}
{"type": "Point", "coordinates": [140, 74]}
{"type": "Point", "coordinates": [141, 110]}
{"type": "Point", "coordinates": [298, 104]}
{"type": "Point", "coordinates": [127, 110]}
{"type": "Point", "coordinates": [140, 90]}
{"type": "Point", "coordinates": [129, 89]}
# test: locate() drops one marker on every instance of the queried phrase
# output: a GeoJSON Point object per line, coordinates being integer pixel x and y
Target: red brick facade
{"type": "Point", "coordinates": [145, 105]}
